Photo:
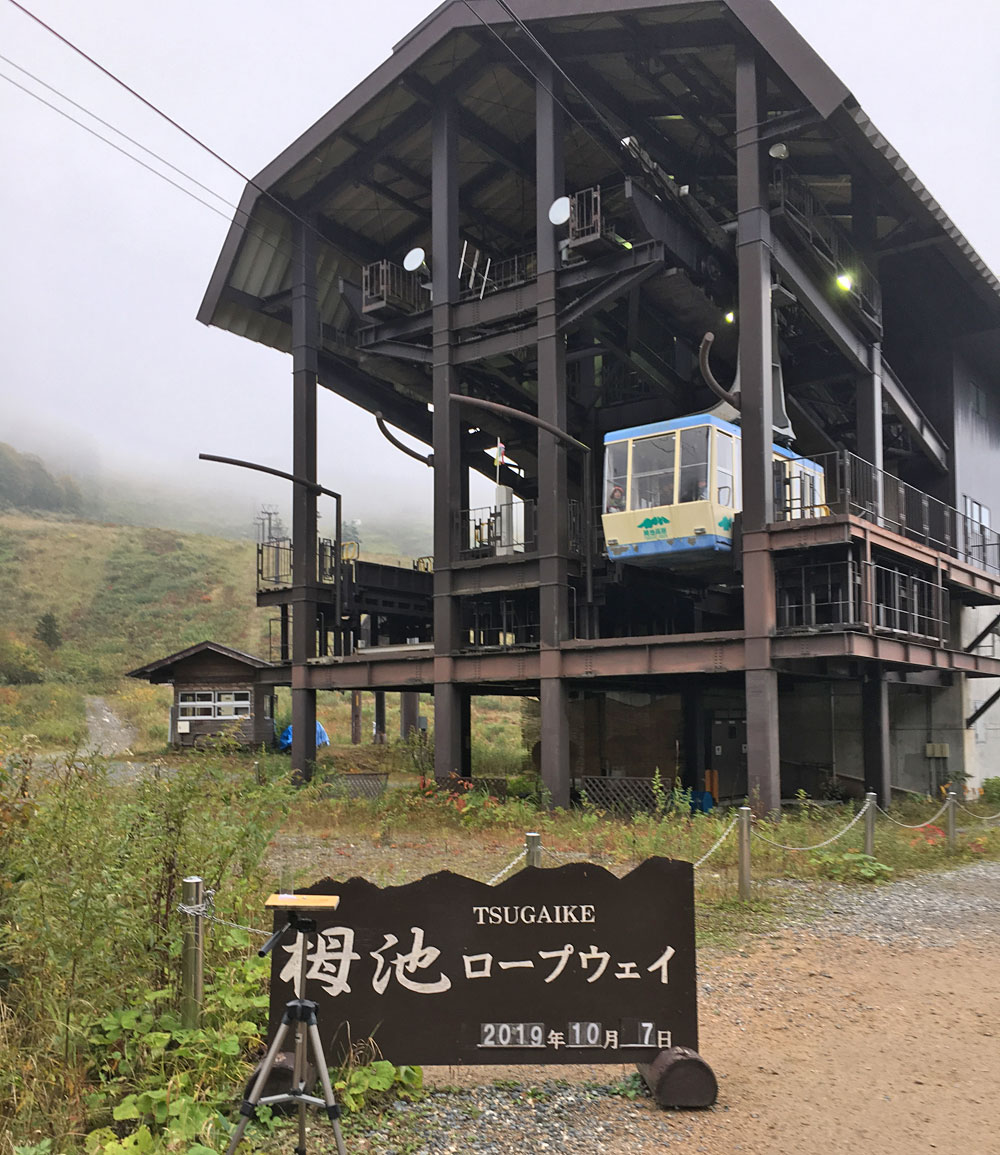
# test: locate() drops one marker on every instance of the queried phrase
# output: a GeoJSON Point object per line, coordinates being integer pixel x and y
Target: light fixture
{"type": "Point", "coordinates": [559, 211]}
{"type": "Point", "coordinates": [730, 317]}
{"type": "Point", "coordinates": [845, 282]}
{"type": "Point", "coordinates": [778, 150]}
{"type": "Point", "coordinates": [415, 259]}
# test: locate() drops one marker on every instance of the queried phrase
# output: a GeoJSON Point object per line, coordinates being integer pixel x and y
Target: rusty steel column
{"type": "Point", "coordinates": [875, 734]}
{"type": "Point", "coordinates": [446, 434]}
{"type": "Point", "coordinates": [378, 737]}
{"type": "Point", "coordinates": [409, 713]}
{"type": "Point", "coordinates": [553, 487]}
{"type": "Point", "coordinates": [753, 248]}
{"type": "Point", "coordinates": [305, 373]}
{"type": "Point", "coordinates": [355, 717]}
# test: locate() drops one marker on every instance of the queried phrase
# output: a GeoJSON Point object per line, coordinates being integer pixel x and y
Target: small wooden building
{"type": "Point", "coordinates": [218, 692]}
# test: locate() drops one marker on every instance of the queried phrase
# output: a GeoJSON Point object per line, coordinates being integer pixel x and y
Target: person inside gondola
{"type": "Point", "coordinates": [616, 499]}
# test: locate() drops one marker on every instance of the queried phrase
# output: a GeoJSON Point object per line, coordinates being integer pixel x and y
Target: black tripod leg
{"type": "Point", "coordinates": [332, 1110]}
{"type": "Point", "coordinates": [249, 1104]}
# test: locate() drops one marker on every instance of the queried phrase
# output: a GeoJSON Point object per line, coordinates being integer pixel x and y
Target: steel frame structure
{"type": "Point", "coordinates": [428, 146]}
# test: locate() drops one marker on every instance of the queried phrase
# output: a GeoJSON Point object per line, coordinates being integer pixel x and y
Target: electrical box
{"type": "Point", "coordinates": [936, 750]}
{"type": "Point", "coordinates": [184, 727]}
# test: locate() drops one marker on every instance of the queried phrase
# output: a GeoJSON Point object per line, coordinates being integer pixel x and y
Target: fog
{"type": "Point", "coordinates": [106, 372]}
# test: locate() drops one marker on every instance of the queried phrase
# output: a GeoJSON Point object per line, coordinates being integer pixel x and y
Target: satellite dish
{"type": "Point", "coordinates": [559, 211]}
{"type": "Point", "coordinates": [414, 260]}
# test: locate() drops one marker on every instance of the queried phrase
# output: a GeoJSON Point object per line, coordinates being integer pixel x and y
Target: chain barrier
{"type": "Point", "coordinates": [979, 817]}
{"type": "Point", "coordinates": [718, 842]}
{"type": "Point", "coordinates": [204, 910]}
{"type": "Point", "coordinates": [819, 845]}
{"type": "Point", "coordinates": [922, 824]}
{"type": "Point", "coordinates": [507, 869]}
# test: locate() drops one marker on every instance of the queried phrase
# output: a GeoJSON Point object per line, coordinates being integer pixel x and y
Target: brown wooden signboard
{"type": "Point", "coordinates": [569, 965]}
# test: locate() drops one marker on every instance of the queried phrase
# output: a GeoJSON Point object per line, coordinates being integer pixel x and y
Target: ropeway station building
{"type": "Point", "coordinates": [743, 367]}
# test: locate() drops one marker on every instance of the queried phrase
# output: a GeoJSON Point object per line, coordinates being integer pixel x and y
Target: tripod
{"type": "Point", "coordinates": [302, 1013]}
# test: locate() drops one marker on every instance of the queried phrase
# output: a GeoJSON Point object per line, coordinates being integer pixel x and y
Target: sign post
{"type": "Point", "coordinates": [569, 965]}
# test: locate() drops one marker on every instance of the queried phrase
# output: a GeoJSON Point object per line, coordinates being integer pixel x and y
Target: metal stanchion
{"type": "Point", "coordinates": [871, 801]}
{"type": "Point", "coordinates": [951, 817]}
{"type": "Point", "coordinates": [744, 852]}
{"type": "Point", "coordinates": [192, 974]}
{"type": "Point", "coordinates": [532, 849]}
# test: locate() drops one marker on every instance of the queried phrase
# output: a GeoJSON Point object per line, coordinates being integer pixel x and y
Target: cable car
{"type": "Point", "coordinates": [672, 491]}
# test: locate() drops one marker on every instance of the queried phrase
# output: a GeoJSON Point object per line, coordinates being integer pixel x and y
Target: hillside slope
{"type": "Point", "coordinates": [123, 595]}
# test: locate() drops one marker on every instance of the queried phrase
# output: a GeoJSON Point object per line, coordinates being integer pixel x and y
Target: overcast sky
{"type": "Point", "coordinates": [104, 265]}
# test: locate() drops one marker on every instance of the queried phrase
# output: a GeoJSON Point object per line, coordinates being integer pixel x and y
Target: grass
{"type": "Point", "coordinates": [122, 596]}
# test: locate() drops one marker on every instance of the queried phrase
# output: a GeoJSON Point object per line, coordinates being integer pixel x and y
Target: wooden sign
{"type": "Point", "coordinates": [570, 965]}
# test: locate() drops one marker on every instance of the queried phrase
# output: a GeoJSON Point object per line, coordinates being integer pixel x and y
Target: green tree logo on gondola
{"type": "Point", "coordinates": [726, 524]}
{"type": "Point", "coordinates": [650, 522]}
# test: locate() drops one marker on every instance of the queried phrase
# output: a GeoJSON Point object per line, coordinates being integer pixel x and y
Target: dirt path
{"type": "Point", "coordinates": [108, 734]}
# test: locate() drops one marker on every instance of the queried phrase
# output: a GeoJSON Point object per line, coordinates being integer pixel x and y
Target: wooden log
{"type": "Point", "coordinates": [680, 1077]}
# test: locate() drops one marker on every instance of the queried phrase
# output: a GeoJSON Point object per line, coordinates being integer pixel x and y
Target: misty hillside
{"type": "Point", "coordinates": [122, 595]}
{"type": "Point", "coordinates": [224, 503]}
{"type": "Point", "coordinates": [25, 483]}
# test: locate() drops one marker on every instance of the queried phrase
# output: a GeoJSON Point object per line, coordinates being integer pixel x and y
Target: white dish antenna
{"type": "Point", "coordinates": [559, 211]}
{"type": "Point", "coordinates": [414, 259]}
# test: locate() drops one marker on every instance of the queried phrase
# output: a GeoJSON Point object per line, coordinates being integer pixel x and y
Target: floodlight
{"type": "Point", "coordinates": [414, 259]}
{"type": "Point", "coordinates": [845, 281]}
{"type": "Point", "coordinates": [559, 211]}
{"type": "Point", "coordinates": [779, 150]}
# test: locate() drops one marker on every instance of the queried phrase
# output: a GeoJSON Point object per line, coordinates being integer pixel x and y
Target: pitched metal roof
{"type": "Point", "coordinates": [192, 651]}
{"type": "Point", "coordinates": [383, 124]}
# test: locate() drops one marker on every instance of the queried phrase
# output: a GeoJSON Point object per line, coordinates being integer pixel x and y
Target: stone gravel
{"type": "Point", "coordinates": [938, 909]}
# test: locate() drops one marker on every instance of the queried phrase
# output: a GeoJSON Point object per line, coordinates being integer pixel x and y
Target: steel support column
{"type": "Point", "coordinates": [305, 375]}
{"type": "Point", "coordinates": [446, 433]}
{"type": "Point", "coordinates": [378, 737]}
{"type": "Point", "coordinates": [553, 489]}
{"type": "Point", "coordinates": [875, 733]}
{"type": "Point", "coordinates": [409, 714]}
{"type": "Point", "coordinates": [864, 229]}
{"type": "Point", "coordinates": [753, 246]}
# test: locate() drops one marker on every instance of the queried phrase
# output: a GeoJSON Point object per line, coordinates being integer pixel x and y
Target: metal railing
{"type": "Point", "coordinates": [274, 563]}
{"type": "Point", "coordinates": [870, 597]}
{"type": "Point", "coordinates": [854, 486]}
{"type": "Point", "coordinates": [495, 276]}
{"type": "Point", "coordinates": [793, 198]}
{"type": "Point", "coordinates": [385, 285]}
{"type": "Point", "coordinates": [498, 530]}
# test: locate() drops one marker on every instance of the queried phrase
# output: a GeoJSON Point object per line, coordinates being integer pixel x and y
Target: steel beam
{"type": "Point", "coordinates": [875, 733]}
{"type": "Point", "coordinates": [305, 376]}
{"type": "Point", "coordinates": [856, 352]}
{"type": "Point", "coordinates": [447, 431]}
{"type": "Point", "coordinates": [753, 251]}
{"type": "Point", "coordinates": [553, 484]}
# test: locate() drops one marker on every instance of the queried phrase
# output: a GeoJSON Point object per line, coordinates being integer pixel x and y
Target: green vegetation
{"type": "Point", "coordinates": [25, 483]}
{"type": "Point", "coordinates": [92, 1048]}
{"type": "Point", "coordinates": [92, 1054]}
{"type": "Point", "coordinates": [126, 596]}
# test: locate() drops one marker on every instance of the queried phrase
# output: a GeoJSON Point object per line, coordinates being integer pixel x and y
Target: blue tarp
{"type": "Point", "coordinates": [285, 741]}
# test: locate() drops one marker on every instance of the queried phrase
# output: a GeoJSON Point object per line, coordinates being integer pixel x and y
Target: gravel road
{"type": "Point", "coordinates": [868, 1021]}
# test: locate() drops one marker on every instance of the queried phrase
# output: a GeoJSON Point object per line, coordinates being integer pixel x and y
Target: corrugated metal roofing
{"type": "Point", "coordinates": [257, 257]}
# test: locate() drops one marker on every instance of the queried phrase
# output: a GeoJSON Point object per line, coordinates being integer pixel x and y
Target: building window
{"type": "Point", "coordinates": [977, 400]}
{"type": "Point", "coordinates": [213, 704]}
{"type": "Point", "coordinates": [976, 511]}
